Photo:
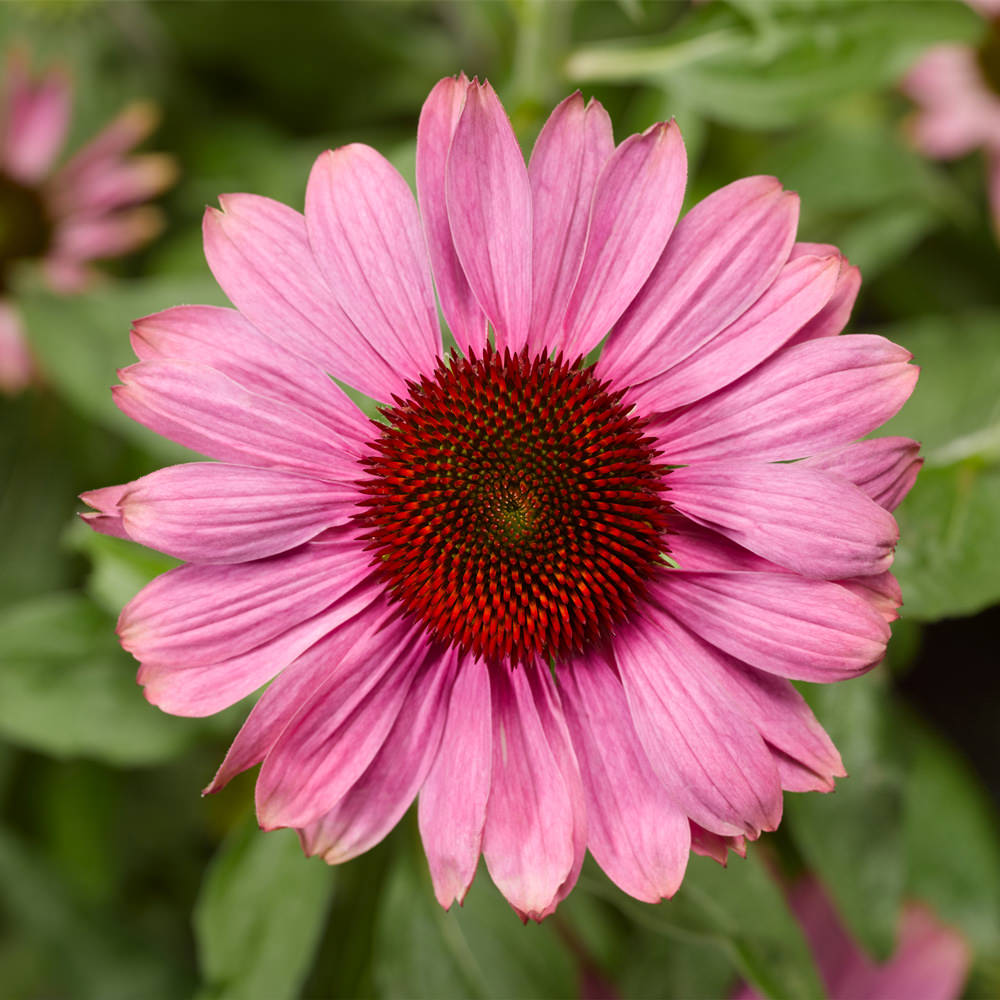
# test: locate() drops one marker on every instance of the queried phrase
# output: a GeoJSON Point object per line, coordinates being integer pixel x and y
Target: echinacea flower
{"type": "Point", "coordinates": [957, 92]}
{"type": "Point", "coordinates": [931, 960]}
{"type": "Point", "coordinates": [558, 604]}
{"type": "Point", "coordinates": [88, 208]}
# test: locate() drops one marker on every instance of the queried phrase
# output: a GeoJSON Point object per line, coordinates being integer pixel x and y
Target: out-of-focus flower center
{"type": "Point", "coordinates": [514, 505]}
{"type": "Point", "coordinates": [25, 228]}
{"type": "Point", "coordinates": [988, 56]}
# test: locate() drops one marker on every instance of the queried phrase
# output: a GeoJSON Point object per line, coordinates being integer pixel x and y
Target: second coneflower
{"type": "Point", "coordinates": [559, 605]}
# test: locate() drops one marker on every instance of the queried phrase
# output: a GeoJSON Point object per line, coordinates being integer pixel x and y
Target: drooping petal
{"type": "Point", "coordinates": [803, 629]}
{"type": "Point", "coordinates": [883, 468]}
{"type": "Point", "coordinates": [816, 524]}
{"type": "Point", "coordinates": [364, 230]}
{"type": "Point", "coordinates": [35, 120]}
{"type": "Point", "coordinates": [438, 119]}
{"type": "Point", "coordinates": [377, 801]}
{"type": "Point", "coordinates": [720, 259]}
{"type": "Point", "coordinates": [198, 615]}
{"type": "Point", "coordinates": [799, 291]}
{"type": "Point", "coordinates": [331, 741]}
{"type": "Point", "coordinates": [569, 154]}
{"type": "Point", "coordinates": [713, 762]}
{"type": "Point", "coordinates": [225, 340]}
{"type": "Point", "coordinates": [259, 252]}
{"type": "Point", "coordinates": [452, 803]}
{"type": "Point", "coordinates": [489, 211]}
{"type": "Point", "coordinates": [805, 399]}
{"type": "Point", "coordinates": [636, 201]}
{"type": "Point", "coordinates": [635, 831]}
{"type": "Point", "coordinates": [528, 839]}
{"type": "Point", "coordinates": [201, 408]}
{"type": "Point", "coordinates": [208, 512]}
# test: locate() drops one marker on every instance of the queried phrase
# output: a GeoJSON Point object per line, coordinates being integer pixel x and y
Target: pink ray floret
{"type": "Point", "coordinates": [560, 607]}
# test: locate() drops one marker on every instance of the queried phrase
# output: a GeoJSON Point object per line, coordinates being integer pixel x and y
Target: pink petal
{"type": "Point", "coordinates": [816, 524]}
{"type": "Point", "coordinates": [572, 148]}
{"type": "Point", "coordinates": [89, 238]}
{"type": "Point", "coordinates": [438, 119]}
{"type": "Point", "coordinates": [364, 230]}
{"type": "Point", "coordinates": [714, 846]}
{"type": "Point", "coordinates": [331, 741]}
{"type": "Point", "coordinates": [16, 366]}
{"type": "Point", "coordinates": [883, 468]}
{"type": "Point", "coordinates": [489, 209]}
{"type": "Point", "coordinates": [833, 317]}
{"type": "Point", "coordinates": [801, 288]}
{"type": "Point", "coordinates": [196, 615]}
{"type": "Point", "coordinates": [203, 690]}
{"type": "Point", "coordinates": [636, 202]}
{"type": "Point", "coordinates": [127, 182]}
{"type": "Point", "coordinates": [312, 658]}
{"type": "Point", "coordinates": [721, 258]}
{"type": "Point", "coordinates": [201, 408]}
{"type": "Point", "coordinates": [803, 629]}
{"type": "Point", "coordinates": [805, 399]}
{"type": "Point", "coordinates": [259, 252]}
{"type": "Point", "coordinates": [636, 833]}
{"type": "Point", "coordinates": [881, 592]}
{"type": "Point", "coordinates": [126, 130]}
{"type": "Point", "coordinates": [213, 513]}
{"type": "Point", "coordinates": [529, 836]}
{"type": "Point", "coordinates": [35, 121]}
{"type": "Point", "coordinates": [224, 340]}
{"type": "Point", "coordinates": [380, 797]}
{"type": "Point", "coordinates": [713, 762]}
{"type": "Point", "coordinates": [452, 804]}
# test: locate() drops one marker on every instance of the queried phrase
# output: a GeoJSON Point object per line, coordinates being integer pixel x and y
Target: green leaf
{"type": "Point", "coordinates": [259, 915]}
{"type": "Point", "coordinates": [742, 911]}
{"type": "Point", "coordinates": [949, 532]}
{"type": "Point", "coordinates": [852, 838]}
{"type": "Point", "coordinates": [952, 855]}
{"type": "Point", "coordinates": [67, 688]}
{"type": "Point", "coordinates": [477, 950]}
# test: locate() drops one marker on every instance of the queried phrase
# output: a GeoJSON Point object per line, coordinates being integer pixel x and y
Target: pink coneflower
{"type": "Point", "coordinates": [931, 960]}
{"type": "Point", "coordinates": [559, 604]}
{"type": "Point", "coordinates": [957, 90]}
{"type": "Point", "coordinates": [68, 216]}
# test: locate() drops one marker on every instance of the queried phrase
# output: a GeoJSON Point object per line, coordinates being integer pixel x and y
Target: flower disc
{"type": "Point", "coordinates": [515, 505]}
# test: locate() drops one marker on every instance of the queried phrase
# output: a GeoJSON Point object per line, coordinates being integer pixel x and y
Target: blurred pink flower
{"type": "Point", "coordinates": [65, 217]}
{"type": "Point", "coordinates": [469, 598]}
{"type": "Point", "coordinates": [957, 91]}
{"type": "Point", "coordinates": [931, 960]}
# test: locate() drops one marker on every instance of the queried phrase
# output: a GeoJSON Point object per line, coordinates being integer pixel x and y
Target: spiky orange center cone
{"type": "Point", "coordinates": [514, 505]}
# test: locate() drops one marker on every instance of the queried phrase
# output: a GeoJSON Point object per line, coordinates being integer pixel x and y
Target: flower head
{"type": "Point", "coordinates": [957, 92]}
{"type": "Point", "coordinates": [67, 216]}
{"type": "Point", "coordinates": [557, 603]}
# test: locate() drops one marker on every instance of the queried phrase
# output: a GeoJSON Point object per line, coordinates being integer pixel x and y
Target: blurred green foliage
{"type": "Point", "coordinates": [116, 880]}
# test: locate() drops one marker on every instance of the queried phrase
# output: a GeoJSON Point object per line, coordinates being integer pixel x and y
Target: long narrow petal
{"type": "Point", "coordinates": [16, 364]}
{"type": "Point", "coordinates": [452, 803]}
{"type": "Point", "coordinates": [636, 203]}
{"type": "Point", "coordinates": [808, 521]}
{"type": "Point", "coordinates": [720, 259]}
{"type": "Point", "coordinates": [259, 252]}
{"type": "Point", "coordinates": [805, 399]}
{"type": "Point", "coordinates": [198, 615]}
{"type": "Point", "coordinates": [803, 629]}
{"type": "Point", "coordinates": [489, 210]}
{"type": "Point", "coordinates": [883, 468]}
{"type": "Point", "coordinates": [635, 831]}
{"type": "Point", "coordinates": [799, 291]}
{"type": "Point", "coordinates": [208, 512]}
{"type": "Point", "coordinates": [569, 154]}
{"type": "Point", "coordinates": [364, 230]}
{"type": "Point", "coordinates": [182, 689]}
{"type": "Point", "coordinates": [206, 335]}
{"type": "Point", "coordinates": [438, 119]}
{"type": "Point", "coordinates": [376, 802]}
{"type": "Point", "coordinates": [528, 839]}
{"type": "Point", "coordinates": [713, 762]}
{"type": "Point", "coordinates": [832, 318]}
{"type": "Point", "coordinates": [331, 741]}
{"type": "Point", "coordinates": [35, 122]}
{"type": "Point", "coordinates": [201, 408]}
